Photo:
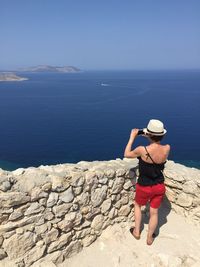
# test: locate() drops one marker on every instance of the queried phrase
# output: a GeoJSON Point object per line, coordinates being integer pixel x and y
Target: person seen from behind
{"type": "Point", "coordinates": [150, 184]}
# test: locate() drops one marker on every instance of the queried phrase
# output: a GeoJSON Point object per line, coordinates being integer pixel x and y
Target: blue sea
{"type": "Point", "coordinates": [65, 118]}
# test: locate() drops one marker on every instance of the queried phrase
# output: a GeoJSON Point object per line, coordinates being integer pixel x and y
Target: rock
{"type": "Point", "coordinates": [71, 219]}
{"type": "Point", "coordinates": [2, 254]}
{"type": "Point", "coordinates": [88, 240]}
{"type": "Point", "coordinates": [120, 172]}
{"type": "Point", "coordinates": [128, 184]}
{"type": "Point", "coordinates": [17, 245]}
{"type": "Point", "coordinates": [106, 205]}
{"type": "Point", "coordinates": [124, 211]}
{"type": "Point", "coordinates": [173, 184]}
{"type": "Point", "coordinates": [113, 213]}
{"type": "Point", "coordinates": [19, 231]}
{"type": "Point", "coordinates": [97, 222]}
{"type": "Point", "coordinates": [5, 186]}
{"type": "Point", "coordinates": [48, 215]}
{"type": "Point", "coordinates": [18, 172]}
{"type": "Point", "coordinates": [171, 195]}
{"type": "Point", "coordinates": [103, 180]}
{"type": "Point", "coordinates": [75, 207]}
{"type": "Point", "coordinates": [92, 213]}
{"type": "Point", "coordinates": [77, 179]}
{"type": "Point", "coordinates": [84, 199]}
{"type": "Point", "coordinates": [50, 236]}
{"type": "Point", "coordinates": [11, 199]}
{"type": "Point", "coordinates": [98, 196]}
{"type": "Point", "coordinates": [83, 232]}
{"type": "Point", "coordinates": [47, 187]}
{"type": "Point", "coordinates": [110, 183]}
{"type": "Point", "coordinates": [1, 240]}
{"type": "Point", "coordinates": [16, 215]}
{"type": "Point", "coordinates": [3, 218]}
{"type": "Point", "coordinates": [52, 200]}
{"type": "Point", "coordinates": [59, 184]}
{"type": "Point", "coordinates": [184, 200]}
{"type": "Point", "coordinates": [34, 254]}
{"type": "Point", "coordinates": [124, 199]}
{"type": "Point", "coordinates": [190, 187]}
{"type": "Point", "coordinates": [43, 201]}
{"type": "Point", "coordinates": [38, 193]}
{"type": "Point", "coordinates": [74, 248]}
{"type": "Point", "coordinates": [41, 229]}
{"type": "Point", "coordinates": [67, 196]}
{"type": "Point", "coordinates": [62, 209]}
{"type": "Point", "coordinates": [118, 185]}
{"type": "Point", "coordinates": [174, 176]}
{"type": "Point", "coordinates": [196, 212]}
{"type": "Point", "coordinates": [35, 178]}
{"type": "Point", "coordinates": [6, 211]}
{"type": "Point", "coordinates": [110, 173]}
{"type": "Point", "coordinates": [12, 225]}
{"type": "Point", "coordinates": [85, 210]}
{"type": "Point", "coordinates": [63, 240]}
{"type": "Point", "coordinates": [82, 226]}
{"type": "Point", "coordinates": [77, 190]}
{"type": "Point", "coordinates": [91, 178]}
{"type": "Point", "coordinates": [50, 260]}
{"type": "Point", "coordinates": [34, 209]}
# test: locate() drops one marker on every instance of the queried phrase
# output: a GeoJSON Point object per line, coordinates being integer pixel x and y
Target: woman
{"type": "Point", "coordinates": [150, 185]}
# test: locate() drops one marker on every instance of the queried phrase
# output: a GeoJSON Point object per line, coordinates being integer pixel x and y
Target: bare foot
{"type": "Point", "coordinates": [150, 239]}
{"type": "Point", "coordinates": [133, 232]}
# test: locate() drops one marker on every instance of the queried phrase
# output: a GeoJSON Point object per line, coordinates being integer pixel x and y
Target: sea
{"type": "Point", "coordinates": [57, 118]}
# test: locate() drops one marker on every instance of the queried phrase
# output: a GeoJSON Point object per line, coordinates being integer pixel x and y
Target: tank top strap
{"type": "Point", "coordinates": [149, 155]}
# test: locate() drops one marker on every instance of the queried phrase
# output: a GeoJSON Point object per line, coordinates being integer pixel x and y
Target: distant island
{"type": "Point", "coordinates": [11, 77]}
{"type": "Point", "coordinates": [48, 68]}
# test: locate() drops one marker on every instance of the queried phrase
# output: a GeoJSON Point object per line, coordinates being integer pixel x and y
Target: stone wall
{"type": "Point", "coordinates": [183, 190]}
{"type": "Point", "coordinates": [50, 213]}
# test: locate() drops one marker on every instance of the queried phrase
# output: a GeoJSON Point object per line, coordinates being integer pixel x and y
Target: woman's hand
{"type": "Point", "coordinates": [133, 134]}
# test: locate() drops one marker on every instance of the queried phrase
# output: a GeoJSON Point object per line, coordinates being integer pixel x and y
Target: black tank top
{"type": "Point", "coordinates": [150, 173]}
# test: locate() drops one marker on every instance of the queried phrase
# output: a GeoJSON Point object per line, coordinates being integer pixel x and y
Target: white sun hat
{"type": "Point", "coordinates": [155, 127]}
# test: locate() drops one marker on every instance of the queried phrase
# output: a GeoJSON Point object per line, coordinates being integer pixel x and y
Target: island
{"type": "Point", "coordinates": [11, 77]}
{"type": "Point", "coordinates": [48, 68]}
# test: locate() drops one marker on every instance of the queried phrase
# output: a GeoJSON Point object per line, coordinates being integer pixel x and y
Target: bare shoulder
{"type": "Point", "coordinates": [139, 150]}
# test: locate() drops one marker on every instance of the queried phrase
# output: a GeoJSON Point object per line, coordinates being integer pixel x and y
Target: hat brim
{"type": "Point", "coordinates": [145, 130]}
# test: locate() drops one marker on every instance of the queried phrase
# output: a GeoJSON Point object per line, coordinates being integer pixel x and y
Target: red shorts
{"type": "Point", "coordinates": [153, 194]}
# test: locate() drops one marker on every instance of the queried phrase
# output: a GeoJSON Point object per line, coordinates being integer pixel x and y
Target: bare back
{"type": "Point", "coordinates": [158, 153]}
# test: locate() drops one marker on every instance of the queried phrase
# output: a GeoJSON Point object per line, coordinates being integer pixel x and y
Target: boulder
{"type": "Point", "coordinates": [98, 195]}
{"type": "Point", "coordinates": [11, 199]}
{"type": "Point", "coordinates": [17, 245]}
{"type": "Point", "coordinates": [67, 196]}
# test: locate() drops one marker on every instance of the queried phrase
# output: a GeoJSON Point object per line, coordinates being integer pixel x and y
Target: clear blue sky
{"type": "Point", "coordinates": [100, 34]}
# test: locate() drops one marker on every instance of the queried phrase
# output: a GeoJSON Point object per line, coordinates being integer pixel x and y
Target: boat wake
{"type": "Point", "coordinates": [105, 84]}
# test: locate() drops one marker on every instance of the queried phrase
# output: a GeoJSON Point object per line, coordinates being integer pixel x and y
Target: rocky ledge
{"type": "Point", "coordinates": [50, 213]}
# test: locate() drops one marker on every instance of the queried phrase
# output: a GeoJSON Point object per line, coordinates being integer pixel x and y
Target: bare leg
{"type": "Point", "coordinates": [153, 222]}
{"type": "Point", "coordinates": [138, 218]}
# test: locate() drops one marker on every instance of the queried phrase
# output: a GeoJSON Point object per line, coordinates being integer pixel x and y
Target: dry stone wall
{"type": "Point", "coordinates": [183, 190]}
{"type": "Point", "coordinates": [50, 213]}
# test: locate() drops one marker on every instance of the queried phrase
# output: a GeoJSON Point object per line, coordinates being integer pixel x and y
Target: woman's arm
{"type": "Point", "coordinates": [128, 153]}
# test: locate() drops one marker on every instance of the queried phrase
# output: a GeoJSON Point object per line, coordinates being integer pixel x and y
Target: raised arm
{"type": "Point", "coordinates": [128, 153]}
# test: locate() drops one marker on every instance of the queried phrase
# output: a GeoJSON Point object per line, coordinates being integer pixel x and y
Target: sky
{"type": "Point", "coordinates": [100, 34]}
